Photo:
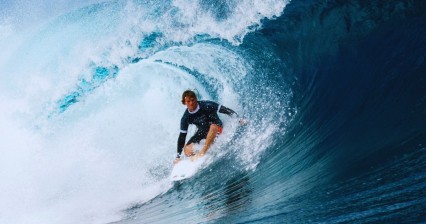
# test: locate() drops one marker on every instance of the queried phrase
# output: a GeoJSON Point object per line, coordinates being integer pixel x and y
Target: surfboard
{"type": "Point", "coordinates": [186, 169]}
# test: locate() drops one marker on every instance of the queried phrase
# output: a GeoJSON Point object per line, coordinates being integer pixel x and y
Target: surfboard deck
{"type": "Point", "coordinates": [186, 169]}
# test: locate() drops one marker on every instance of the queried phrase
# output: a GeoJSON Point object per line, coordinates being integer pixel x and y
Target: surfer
{"type": "Point", "coordinates": [203, 114]}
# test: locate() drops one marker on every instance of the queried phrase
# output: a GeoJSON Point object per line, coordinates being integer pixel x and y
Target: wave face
{"type": "Point", "coordinates": [335, 93]}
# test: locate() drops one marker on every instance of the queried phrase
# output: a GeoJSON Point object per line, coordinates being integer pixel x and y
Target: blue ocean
{"type": "Point", "coordinates": [334, 93]}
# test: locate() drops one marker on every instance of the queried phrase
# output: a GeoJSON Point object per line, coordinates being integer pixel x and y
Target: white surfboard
{"type": "Point", "coordinates": [186, 169]}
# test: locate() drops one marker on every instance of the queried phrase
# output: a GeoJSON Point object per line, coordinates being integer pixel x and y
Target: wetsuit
{"type": "Point", "coordinates": [203, 116]}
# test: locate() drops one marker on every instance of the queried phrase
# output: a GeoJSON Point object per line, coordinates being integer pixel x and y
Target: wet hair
{"type": "Point", "coordinates": [188, 93]}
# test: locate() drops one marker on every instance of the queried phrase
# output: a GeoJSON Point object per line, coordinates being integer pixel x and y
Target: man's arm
{"type": "Point", "coordinates": [228, 111]}
{"type": "Point", "coordinates": [180, 143]}
{"type": "Point", "coordinates": [182, 136]}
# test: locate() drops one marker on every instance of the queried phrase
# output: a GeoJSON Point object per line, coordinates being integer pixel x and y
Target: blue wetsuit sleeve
{"type": "Point", "coordinates": [182, 136]}
{"type": "Point", "coordinates": [180, 144]}
{"type": "Point", "coordinates": [227, 111]}
{"type": "Point", "coordinates": [184, 124]}
{"type": "Point", "coordinates": [215, 107]}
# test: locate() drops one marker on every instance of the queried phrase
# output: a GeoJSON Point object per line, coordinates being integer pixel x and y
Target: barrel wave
{"type": "Point", "coordinates": [334, 92]}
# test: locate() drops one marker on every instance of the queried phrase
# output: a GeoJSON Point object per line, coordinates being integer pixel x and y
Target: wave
{"type": "Point", "coordinates": [334, 92]}
{"type": "Point", "coordinates": [93, 98]}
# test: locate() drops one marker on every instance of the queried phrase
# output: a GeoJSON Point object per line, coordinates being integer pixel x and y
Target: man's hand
{"type": "Point", "coordinates": [176, 161]}
{"type": "Point", "coordinates": [243, 121]}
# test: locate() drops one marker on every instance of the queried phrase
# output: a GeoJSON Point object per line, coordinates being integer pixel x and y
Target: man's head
{"type": "Point", "coordinates": [189, 99]}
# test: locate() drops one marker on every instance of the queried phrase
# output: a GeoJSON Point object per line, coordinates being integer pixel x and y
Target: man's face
{"type": "Point", "coordinates": [191, 103]}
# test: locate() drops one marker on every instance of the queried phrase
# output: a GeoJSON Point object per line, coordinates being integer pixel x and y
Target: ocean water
{"type": "Point", "coordinates": [334, 92]}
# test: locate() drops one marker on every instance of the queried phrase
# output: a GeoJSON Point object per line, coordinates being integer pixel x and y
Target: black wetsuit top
{"type": "Point", "coordinates": [204, 115]}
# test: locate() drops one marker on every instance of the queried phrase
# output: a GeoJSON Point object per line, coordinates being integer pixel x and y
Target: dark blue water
{"type": "Point", "coordinates": [334, 92]}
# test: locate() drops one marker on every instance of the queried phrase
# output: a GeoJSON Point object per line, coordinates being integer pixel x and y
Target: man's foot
{"type": "Point", "coordinates": [176, 161]}
{"type": "Point", "coordinates": [193, 158]}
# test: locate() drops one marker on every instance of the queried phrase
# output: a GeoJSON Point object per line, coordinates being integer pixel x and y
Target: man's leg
{"type": "Point", "coordinates": [188, 150]}
{"type": "Point", "coordinates": [211, 135]}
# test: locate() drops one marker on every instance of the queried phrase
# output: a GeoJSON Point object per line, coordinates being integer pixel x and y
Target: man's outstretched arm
{"type": "Point", "coordinates": [228, 111]}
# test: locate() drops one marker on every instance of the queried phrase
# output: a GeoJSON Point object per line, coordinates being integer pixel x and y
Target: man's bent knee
{"type": "Point", "coordinates": [214, 127]}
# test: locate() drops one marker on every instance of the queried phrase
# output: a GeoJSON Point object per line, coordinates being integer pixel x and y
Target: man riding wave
{"type": "Point", "coordinates": [203, 114]}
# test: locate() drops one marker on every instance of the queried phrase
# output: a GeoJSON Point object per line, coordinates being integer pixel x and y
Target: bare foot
{"type": "Point", "coordinates": [193, 158]}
